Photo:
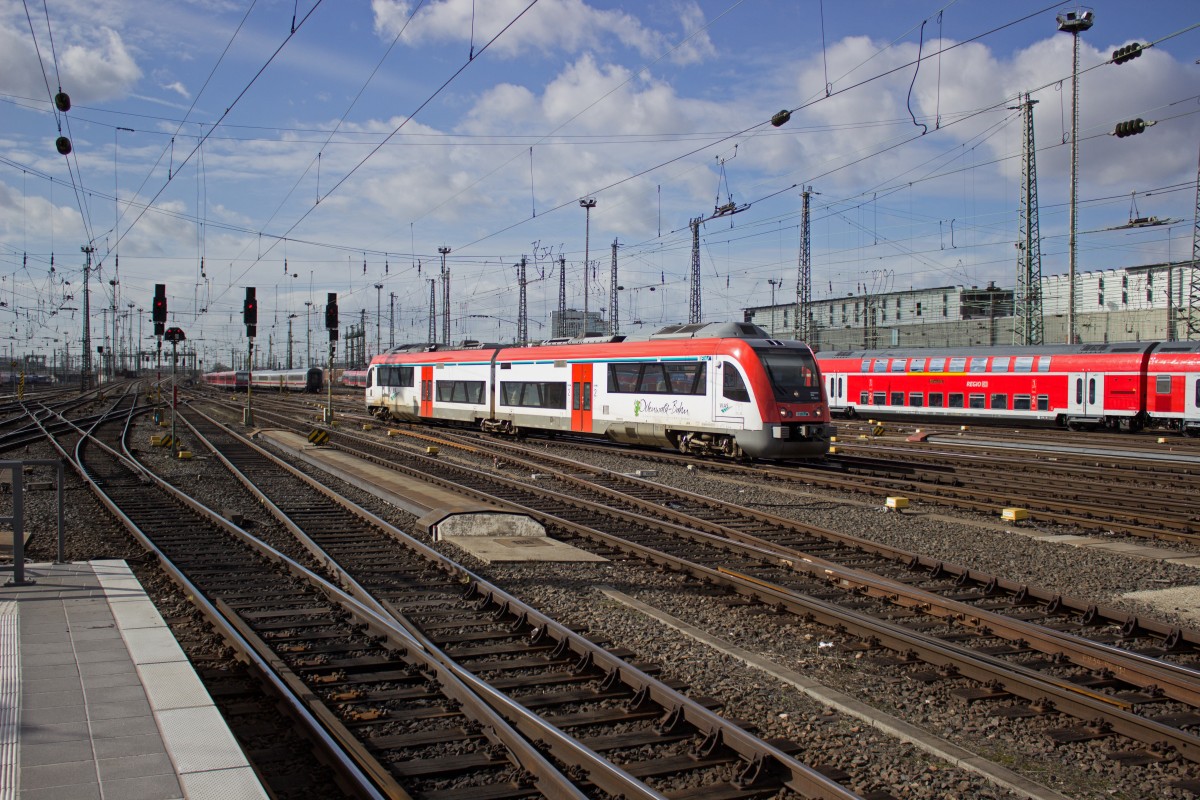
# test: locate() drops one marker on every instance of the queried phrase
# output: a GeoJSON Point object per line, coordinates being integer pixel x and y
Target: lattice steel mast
{"type": "Point", "coordinates": [694, 311]}
{"type": "Point", "coordinates": [1193, 308]}
{"type": "Point", "coordinates": [613, 325]}
{"type": "Point", "coordinates": [562, 296]}
{"type": "Point", "coordinates": [432, 311]}
{"type": "Point", "coordinates": [522, 306]}
{"type": "Point", "coordinates": [801, 329]}
{"type": "Point", "coordinates": [1029, 328]}
{"type": "Point", "coordinates": [445, 297]}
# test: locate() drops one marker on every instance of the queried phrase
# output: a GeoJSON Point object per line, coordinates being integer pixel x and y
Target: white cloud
{"type": "Point", "coordinates": [179, 89]}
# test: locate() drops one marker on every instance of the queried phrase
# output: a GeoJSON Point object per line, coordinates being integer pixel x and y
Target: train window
{"type": "Point", "coordinates": [1023, 364]}
{"type": "Point", "coordinates": [957, 365]}
{"type": "Point", "coordinates": [460, 392]}
{"type": "Point", "coordinates": [999, 401]}
{"type": "Point", "coordinates": [936, 399]}
{"type": "Point", "coordinates": [1022, 402]}
{"type": "Point", "coordinates": [979, 364]}
{"type": "Point", "coordinates": [897, 398]}
{"type": "Point", "coordinates": [653, 380]}
{"type": "Point", "coordinates": [732, 385]}
{"type": "Point", "coordinates": [1079, 390]}
{"type": "Point", "coordinates": [533, 394]}
{"type": "Point", "coordinates": [401, 377]}
{"type": "Point", "coordinates": [1043, 402]}
{"type": "Point", "coordinates": [1198, 392]}
{"type": "Point", "coordinates": [1000, 364]}
{"type": "Point", "coordinates": [1043, 364]}
{"type": "Point", "coordinates": [878, 398]}
{"type": "Point", "coordinates": [916, 399]}
{"type": "Point", "coordinates": [1162, 384]}
{"type": "Point", "coordinates": [575, 396]}
{"type": "Point", "coordinates": [371, 377]}
{"type": "Point", "coordinates": [976, 401]}
{"type": "Point", "coordinates": [916, 365]}
{"type": "Point", "coordinates": [866, 365]}
{"type": "Point", "coordinates": [937, 364]}
{"type": "Point", "coordinates": [863, 399]}
{"type": "Point", "coordinates": [956, 399]}
{"type": "Point", "coordinates": [898, 364]}
{"type": "Point", "coordinates": [623, 377]}
{"type": "Point", "coordinates": [687, 378]}
{"type": "Point", "coordinates": [1091, 390]}
{"type": "Point", "coordinates": [587, 396]}
{"type": "Point", "coordinates": [881, 365]}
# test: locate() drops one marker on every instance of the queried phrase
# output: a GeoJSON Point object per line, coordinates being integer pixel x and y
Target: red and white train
{"type": "Point", "coordinates": [1125, 386]}
{"type": "Point", "coordinates": [707, 388]}
{"type": "Point", "coordinates": [355, 378]}
{"type": "Point", "coordinates": [291, 380]}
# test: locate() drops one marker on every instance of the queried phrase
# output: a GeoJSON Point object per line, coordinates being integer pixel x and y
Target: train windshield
{"type": "Point", "coordinates": [793, 375]}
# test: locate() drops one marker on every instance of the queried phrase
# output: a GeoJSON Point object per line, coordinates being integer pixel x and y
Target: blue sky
{"type": "Point", "coordinates": [214, 150]}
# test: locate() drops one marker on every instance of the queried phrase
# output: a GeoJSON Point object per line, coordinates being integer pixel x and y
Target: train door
{"type": "Point", "coordinates": [581, 397]}
{"type": "Point", "coordinates": [832, 396]}
{"type": "Point", "coordinates": [1086, 394]}
{"type": "Point", "coordinates": [426, 409]}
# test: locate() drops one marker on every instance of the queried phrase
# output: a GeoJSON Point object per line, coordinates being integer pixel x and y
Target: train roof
{"type": "Point", "coordinates": [1125, 348]}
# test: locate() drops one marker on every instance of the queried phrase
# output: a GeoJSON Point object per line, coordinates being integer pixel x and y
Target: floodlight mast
{"type": "Point", "coordinates": [1074, 22]}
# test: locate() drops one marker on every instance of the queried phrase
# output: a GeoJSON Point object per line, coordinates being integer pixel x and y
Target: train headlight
{"type": "Point", "coordinates": [783, 412]}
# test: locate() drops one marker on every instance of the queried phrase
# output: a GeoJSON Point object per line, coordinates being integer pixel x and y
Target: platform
{"type": "Point", "coordinates": [97, 700]}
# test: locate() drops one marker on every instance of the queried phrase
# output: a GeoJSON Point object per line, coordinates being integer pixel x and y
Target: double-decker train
{"type": "Point", "coordinates": [292, 380]}
{"type": "Point", "coordinates": [355, 378]}
{"type": "Point", "coordinates": [707, 388]}
{"type": "Point", "coordinates": [1124, 386]}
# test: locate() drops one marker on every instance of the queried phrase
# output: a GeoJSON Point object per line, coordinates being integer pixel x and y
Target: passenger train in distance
{"type": "Point", "coordinates": [708, 388]}
{"type": "Point", "coordinates": [356, 378]}
{"type": "Point", "coordinates": [290, 380]}
{"type": "Point", "coordinates": [1124, 386]}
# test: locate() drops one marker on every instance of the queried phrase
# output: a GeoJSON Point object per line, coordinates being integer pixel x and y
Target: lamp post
{"type": "Point", "coordinates": [307, 334]}
{"type": "Point", "coordinates": [774, 282]}
{"type": "Point", "coordinates": [445, 297]}
{"type": "Point", "coordinates": [378, 318]}
{"type": "Point", "coordinates": [587, 204]}
{"type": "Point", "coordinates": [1074, 23]}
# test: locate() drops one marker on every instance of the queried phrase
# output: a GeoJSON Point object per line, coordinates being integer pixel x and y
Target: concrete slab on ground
{"type": "Point", "coordinates": [490, 549]}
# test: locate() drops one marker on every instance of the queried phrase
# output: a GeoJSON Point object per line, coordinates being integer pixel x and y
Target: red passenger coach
{"type": "Point", "coordinates": [229, 380]}
{"type": "Point", "coordinates": [1124, 386]}
{"type": "Point", "coordinates": [707, 388]}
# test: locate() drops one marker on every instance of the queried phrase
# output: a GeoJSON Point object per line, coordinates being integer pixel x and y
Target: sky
{"type": "Point", "coordinates": [308, 147]}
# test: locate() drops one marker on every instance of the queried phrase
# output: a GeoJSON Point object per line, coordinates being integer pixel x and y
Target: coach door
{"type": "Point", "coordinates": [581, 397]}
{"type": "Point", "coordinates": [1086, 394]}
{"type": "Point", "coordinates": [426, 391]}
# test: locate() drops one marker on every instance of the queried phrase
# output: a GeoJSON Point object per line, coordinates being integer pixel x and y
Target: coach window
{"type": "Point", "coordinates": [936, 399]}
{"type": "Point", "coordinates": [732, 385]}
{"type": "Point", "coordinates": [1023, 364]}
{"type": "Point", "coordinates": [1021, 402]}
{"type": "Point", "coordinates": [1198, 392]}
{"type": "Point", "coordinates": [623, 377]}
{"type": "Point", "coordinates": [866, 365]}
{"type": "Point", "coordinates": [898, 364]}
{"type": "Point", "coordinates": [976, 401]}
{"type": "Point", "coordinates": [956, 400]}
{"type": "Point", "coordinates": [863, 399]}
{"type": "Point", "coordinates": [878, 399]}
{"type": "Point", "coordinates": [1000, 364]}
{"type": "Point", "coordinates": [1043, 402]}
{"type": "Point", "coordinates": [999, 401]}
{"type": "Point", "coordinates": [957, 365]}
{"type": "Point", "coordinates": [916, 365]}
{"type": "Point", "coordinates": [1162, 384]}
{"type": "Point", "coordinates": [587, 396]}
{"type": "Point", "coordinates": [1043, 364]}
{"type": "Point", "coordinates": [687, 378]}
{"type": "Point", "coordinates": [881, 365]}
{"type": "Point", "coordinates": [1091, 390]}
{"type": "Point", "coordinates": [937, 364]}
{"type": "Point", "coordinates": [653, 381]}
{"type": "Point", "coordinates": [979, 364]}
{"type": "Point", "coordinates": [1079, 390]}
{"type": "Point", "coordinates": [371, 377]}
{"type": "Point", "coordinates": [897, 398]}
{"type": "Point", "coordinates": [575, 396]}
{"type": "Point", "coordinates": [916, 399]}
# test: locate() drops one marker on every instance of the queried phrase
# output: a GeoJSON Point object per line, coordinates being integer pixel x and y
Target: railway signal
{"type": "Point", "coordinates": [331, 324]}
{"type": "Point", "coordinates": [158, 310]}
{"type": "Point", "coordinates": [250, 312]}
{"type": "Point", "coordinates": [331, 315]}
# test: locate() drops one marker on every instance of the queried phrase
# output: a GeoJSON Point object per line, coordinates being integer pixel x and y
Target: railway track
{"type": "Point", "coordinates": [1042, 649]}
{"type": "Point", "coordinates": [400, 716]}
